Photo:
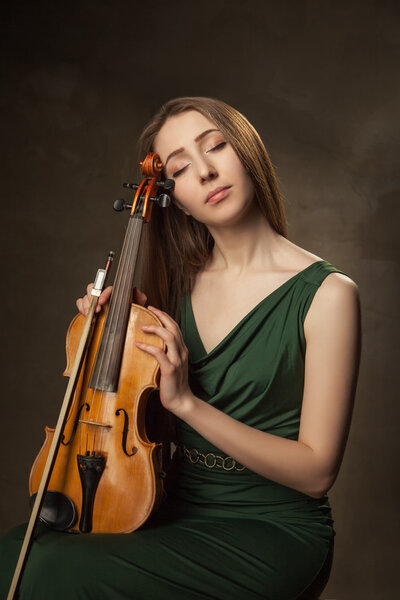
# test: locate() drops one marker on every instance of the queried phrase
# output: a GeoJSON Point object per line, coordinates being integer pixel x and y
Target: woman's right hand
{"type": "Point", "coordinates": [83, 304]}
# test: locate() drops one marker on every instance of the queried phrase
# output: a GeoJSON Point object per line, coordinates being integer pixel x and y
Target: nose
{"type": "Point", "coordinates": [207, 170]}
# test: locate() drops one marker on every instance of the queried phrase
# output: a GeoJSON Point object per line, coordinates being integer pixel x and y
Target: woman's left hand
{"type": "Point", "coordinates": [174, 386]}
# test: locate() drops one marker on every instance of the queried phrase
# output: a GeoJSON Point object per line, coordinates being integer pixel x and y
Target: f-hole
{"type": "Point", "coordinates": [125, 433]}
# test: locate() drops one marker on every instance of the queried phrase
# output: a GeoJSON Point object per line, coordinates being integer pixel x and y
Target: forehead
{"type": "Point", "coordinates": [179, 131]}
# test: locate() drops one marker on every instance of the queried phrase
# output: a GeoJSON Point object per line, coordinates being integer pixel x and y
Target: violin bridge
{"type": "Point", "coordinates": [95, 423]}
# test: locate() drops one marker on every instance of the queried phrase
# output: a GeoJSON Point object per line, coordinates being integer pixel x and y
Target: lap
{"type": "Point", "coordinates": [182, 559]}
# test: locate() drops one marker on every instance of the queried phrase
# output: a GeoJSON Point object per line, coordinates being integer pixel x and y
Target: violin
{"type": "Point", "coordinates": [98, 471]}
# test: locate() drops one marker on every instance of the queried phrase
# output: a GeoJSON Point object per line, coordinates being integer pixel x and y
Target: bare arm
{"type": "Point", "coordinates": [309, 465]}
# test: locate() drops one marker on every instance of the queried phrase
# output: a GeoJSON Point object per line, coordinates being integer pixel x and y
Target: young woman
{"type": "Point", "coordinates": [262, 352]}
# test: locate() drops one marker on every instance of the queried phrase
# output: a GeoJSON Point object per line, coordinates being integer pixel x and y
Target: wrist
{"type": "Point", "coordinates": [186, 406]}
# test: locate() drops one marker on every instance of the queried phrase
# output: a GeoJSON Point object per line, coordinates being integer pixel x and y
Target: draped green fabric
{"type": "Point", "coordinates": [220, 534]}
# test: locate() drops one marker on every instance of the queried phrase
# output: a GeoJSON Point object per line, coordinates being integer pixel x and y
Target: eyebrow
{"type": "Point", "coordinates": [196, 139]}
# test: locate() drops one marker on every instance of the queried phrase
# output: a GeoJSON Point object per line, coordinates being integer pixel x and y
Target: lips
{"type": "Point", "coordinates": [215, 192]}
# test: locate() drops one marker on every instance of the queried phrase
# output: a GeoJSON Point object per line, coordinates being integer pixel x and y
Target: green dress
{"type": "Point", "coordinates": [222, 533]}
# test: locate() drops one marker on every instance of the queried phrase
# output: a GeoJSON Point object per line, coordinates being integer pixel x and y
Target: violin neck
{"type": "Point", "coordinates": [106, 368]}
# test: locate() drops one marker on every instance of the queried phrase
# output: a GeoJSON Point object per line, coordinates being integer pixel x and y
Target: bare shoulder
{"type": "Point", "coordinates": [338, 285]}
{"type": "Point", "coordinates": [337, 299]}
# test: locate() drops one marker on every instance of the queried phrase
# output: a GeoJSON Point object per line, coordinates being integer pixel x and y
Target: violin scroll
{"type": "Point", "coordinates": [151, 189]}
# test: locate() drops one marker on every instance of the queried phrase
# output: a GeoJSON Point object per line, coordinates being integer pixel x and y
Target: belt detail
{"type": "Point", "coordinates": [210, 460]}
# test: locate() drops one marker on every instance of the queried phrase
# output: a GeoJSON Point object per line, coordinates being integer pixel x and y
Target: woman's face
{"type": "Point", "coordinates": [211, 183]}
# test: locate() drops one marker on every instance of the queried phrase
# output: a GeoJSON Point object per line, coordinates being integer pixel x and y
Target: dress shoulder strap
{"type": "Point", "coordinates": [321, 269]}
{"type": "Point", "coordinates": [315, 277]}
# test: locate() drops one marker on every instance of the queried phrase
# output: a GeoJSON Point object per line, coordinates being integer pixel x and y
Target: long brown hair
{"type": "Point", "coordinates": [175, 246]}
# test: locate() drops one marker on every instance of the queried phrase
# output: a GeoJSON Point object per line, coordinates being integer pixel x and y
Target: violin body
{"type": "Point", "coordinates": [110, 426]}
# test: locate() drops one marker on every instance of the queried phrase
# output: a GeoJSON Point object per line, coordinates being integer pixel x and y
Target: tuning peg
{"type": "Point", "coordinates": [168, 184]}
{"type": "Point", "coordinates": [163, 200]}
{"type": "Point", "coordinates": [130, 186]}
{"type": "Point", "coordinates": [120, 204]}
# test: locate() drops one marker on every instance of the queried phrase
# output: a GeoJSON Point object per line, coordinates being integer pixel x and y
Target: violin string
{"type": "Point", "coordinates": [130, 259]}
{"type": "Point", "coordinates": [111, 319]}
{"type": "Point", "coordinates": [124, 292]}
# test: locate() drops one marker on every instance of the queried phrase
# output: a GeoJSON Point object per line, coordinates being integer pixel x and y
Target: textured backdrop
{"type": "Point", "coordinates": [319, 80]}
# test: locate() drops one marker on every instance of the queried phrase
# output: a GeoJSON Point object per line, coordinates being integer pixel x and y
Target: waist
{"type": "Point", "coordinates": [198, 485]}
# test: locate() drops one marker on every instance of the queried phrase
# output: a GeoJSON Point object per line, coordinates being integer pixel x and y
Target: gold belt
{"type": "Point", "coordinates": [210, 460]}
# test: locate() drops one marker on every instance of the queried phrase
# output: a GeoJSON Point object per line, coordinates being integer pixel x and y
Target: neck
{"type": "Point", "coordinates": [249, 244]}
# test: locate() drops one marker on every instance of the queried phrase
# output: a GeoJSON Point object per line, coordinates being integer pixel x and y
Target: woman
{"type": "Point", "coordinates": [262, 351]}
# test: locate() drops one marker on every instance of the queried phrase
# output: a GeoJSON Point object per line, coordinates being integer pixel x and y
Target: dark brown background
{"type": "Point", "coordinates": [319, 80]}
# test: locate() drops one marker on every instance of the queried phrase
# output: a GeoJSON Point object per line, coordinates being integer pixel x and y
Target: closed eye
{"type": "Point", "coordinates": [177, 173]}
{"type": "Point", "coordinates": [218, 147]}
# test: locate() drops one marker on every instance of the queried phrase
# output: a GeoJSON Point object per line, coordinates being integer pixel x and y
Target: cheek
{"type": "Point", "coordinates": [235, 165]}
{"type": "Point", "coordinates": [184, 195]}
{"type": "Point", "coordinates": [186, 191]}
{"type": "Point", "coordinates": [242, 175]}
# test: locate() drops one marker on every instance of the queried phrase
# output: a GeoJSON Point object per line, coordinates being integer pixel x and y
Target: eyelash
{"type": "Point", "coordinates": [217, 147]}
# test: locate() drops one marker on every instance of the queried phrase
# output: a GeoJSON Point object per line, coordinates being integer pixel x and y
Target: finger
{"type": "Point", "coordinates": [169, 338]}
{"type": "Point", "coordinates": [165, 365]}
{"type": "Point", "coordinates": [168, 322]}
{"type": "Point", "coordinates": [103, 298]}
{"type": "Point", "coordinates": [105, 295]}
{"type": "Point", "coordinates": [79, 304]}
{"type": "Point", "coordinates": [139, 297]}
{"type": "Point", "coordinates": [82, 306]}
{"type": "Point", "coordinates": [85, 305]}
{"type": "Point", "coordinates": [165, 318]}
{"type": "Point", "coordinates": [83, 302]}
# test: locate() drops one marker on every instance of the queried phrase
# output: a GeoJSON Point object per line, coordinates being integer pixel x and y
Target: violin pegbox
{"type": "Point", "coordinates": [151, 189]}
